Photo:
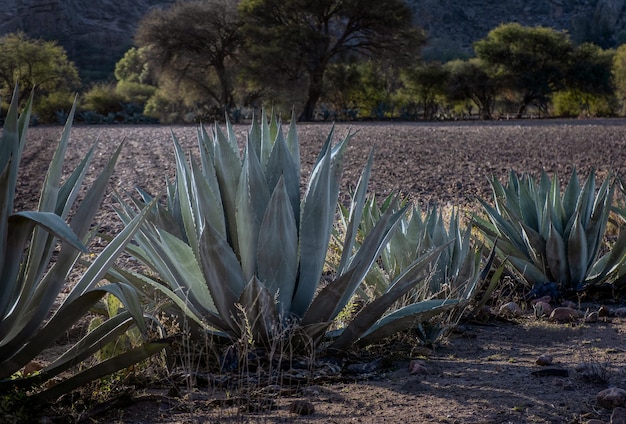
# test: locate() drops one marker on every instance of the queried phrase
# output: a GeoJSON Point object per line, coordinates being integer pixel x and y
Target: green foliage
{"type": "Point", "coordinates": [530, 61]}
{"type": "Point", "coordinates": [133, 67]}
{"type": "Point", "coordinates": [38, 65]}
{"type": "Point", "coordinates": [427, 83]}
{"type": "Point", "coordinates": [195, 45]}
{"type": "Point", "coordinates": [619, 75]}
{"type": "Point", "coordinates": [282, 41]}
{"type": "Point", "coordinates": [102, 98]}
{"type": "Point", "coordinates": [469, 80]}
{"type": "Point", "coordinates": [552, 237]}
{"type": "Point", "coordinates": [38, 250]}
{"type": "Point", "coordinates": [574, 103]}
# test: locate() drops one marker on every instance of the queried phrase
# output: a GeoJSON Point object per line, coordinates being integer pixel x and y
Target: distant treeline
{"type": "Point", "coordinates": [201, 61]}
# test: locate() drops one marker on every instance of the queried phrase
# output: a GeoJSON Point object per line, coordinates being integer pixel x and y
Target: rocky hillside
{"type": "Point", "coordinates": [94, 33]}
{"type": "Point", "coordinates": [97, 33]}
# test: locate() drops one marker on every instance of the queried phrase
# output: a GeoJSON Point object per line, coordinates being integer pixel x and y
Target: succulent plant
{"type": "Point", "coordinates": [448, 284]}
{"type": "Point", "coordinates": [553, 239]}
{"type": "Point", "coordinates": [236, 238]}
{"type": "Point", "coordinates": [35, 268]}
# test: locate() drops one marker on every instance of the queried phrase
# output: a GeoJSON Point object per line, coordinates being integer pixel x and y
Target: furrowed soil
{"type": "Point", "coordinates": [484, 373]}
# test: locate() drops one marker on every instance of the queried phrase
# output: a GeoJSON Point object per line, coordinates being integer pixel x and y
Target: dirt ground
{"type": "Point", "coordinates": [484, 374]}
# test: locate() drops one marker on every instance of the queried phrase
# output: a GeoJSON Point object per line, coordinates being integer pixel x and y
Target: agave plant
{"type": "Point", "coordinates": [553, 240]}
{"type": "Point", "coordinates": [38, 250]}
{"type": "Point", "coordinates": [450, 282]}
{"type": "Point", "coordinates": [236, 235]}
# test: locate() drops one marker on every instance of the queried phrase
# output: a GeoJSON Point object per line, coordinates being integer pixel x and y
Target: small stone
{"type": "Point", "coordinates": [545, 299]}
{"type": "Point", "coordinates": [568, 304]}
{"type": "Point", "coordinates": [542, 309]}
{"type": "Point", "coordinates": [544, 360]}
{"type": "Point", "coordinates": [302, 407]}
{"type": "Point", "coordinates": [594, 421]}
{"type": "Point", "coordinates": [618, 416]}
{"type": "Point", "coordinates": [612, 397]}
{"type": "Point", "coordinates": [417, 367]}
{"type": "Point", "coordinates": [620, 312]}
{"type": "Point", "coordinates": [31, 368]}
{"type": "Point", "coordinates": [591, 317]}
{"type": "Point", "coordinates": [604, 312]}
{"type": "Point", "coordinates": [563, 314]}
{"type": "Point", "coordinates": [510, 310]}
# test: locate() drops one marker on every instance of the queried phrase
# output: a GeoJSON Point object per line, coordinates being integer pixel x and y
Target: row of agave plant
{"type": "Point", "coordinates": [241, 252]}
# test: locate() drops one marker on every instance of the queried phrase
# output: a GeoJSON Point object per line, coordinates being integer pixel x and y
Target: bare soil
{"type": "Point", "coordinates": [484, 374]}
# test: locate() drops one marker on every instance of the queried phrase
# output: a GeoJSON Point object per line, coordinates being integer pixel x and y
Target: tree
{"type": "Point", "coordinates": [619, 74]}
{"type": "Point", "coordinates": [196, 44]}
{"type": "Point", "coordinates": [530, 61]}
{"type": "Point", "coordinates": [426, 83]}
{"type": "Point", "coordinates": [468, 79]}
{"type": "Point", "coordinates": [35, 64]}
{"type": "Point", "coordinates": [297, 40]}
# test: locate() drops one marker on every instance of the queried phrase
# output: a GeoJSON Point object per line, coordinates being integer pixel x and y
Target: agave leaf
{"type": "Point", "coordinates": [252, 200]}
{"type": "Point", "coordinates": [556, 258]}
{"type": "Point", "coordinates": [104, 368]}
{"type": "Point", "coordinates": [222, 273]}
{"type": "Point", "coordinates": [282, 164]}
{"type": "Point", "coordinates": [577, 254]}
{"type": "Point", "coordinates": [207, 203]}
{"type": "Point", "coordinates": [356, 211]}
{"type": "Point", "coordinates": [318, 211]}
{"type": "Point", "coordinates": [186, 199]}
{"type": "Point", "coordinates": [260, 309]}
{"type": "Point", "coordinates": [374, 310]}
{"type": "Point", "coordinates": [278, 248]}
{"type": "Point", "coordinates": [405, 318]}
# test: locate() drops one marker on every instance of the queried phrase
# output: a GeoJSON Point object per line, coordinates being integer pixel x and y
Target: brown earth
{"type": "Point", "coordinates": [482, 375]}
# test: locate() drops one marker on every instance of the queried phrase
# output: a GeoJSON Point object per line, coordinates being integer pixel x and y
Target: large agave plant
{"type": "Point", "coordinates": [236, 238]}
{"type": "Point", "coordinates": [37, 252]}
{"type": "Point", "coordinates": [553, 238]}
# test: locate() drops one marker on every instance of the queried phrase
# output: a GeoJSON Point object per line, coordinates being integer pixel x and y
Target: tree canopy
{"type": "Point", "coordinates": [195, 43]}
{"type": "Point", "coordinates": [532, 61]}
{"type": "Point", "coordinates": [36, 64]}
{"type": "Point", "coordinates": [296, 40]}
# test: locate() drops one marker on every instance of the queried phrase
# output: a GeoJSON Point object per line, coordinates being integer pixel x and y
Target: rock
{"type": "Point", "coordinates": [417, 367]}
{"type": "Point", "coordinates": [610, 398]}
{"type": "Point", "coordinates": [568, 304]}
{"type": "Point", "coordinates": [604, 312]}
{"type": "Point", "coordinates": [544, 299]}
{"type": "Point", "coordinates": [594, 421]}
{"type": "Point", "coordinates": [510, 310]}
{"type": "Point", "coordinates": [544, 360]}
{"type": "Point", "coordinates": [562, 314]}
{"type": "Point", "coordinates": [618, 416]}
{"type": "Point", "coordinates": [31, 368]}
{"type": "Point", "coordinates": [542, 309]}
{"type": "Point", "coordinates": [620, 312]}
{"type": "Point", "coordinates": [302, 407]}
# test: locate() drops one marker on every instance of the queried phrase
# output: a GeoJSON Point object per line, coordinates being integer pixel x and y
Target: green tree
{"type": "Point", "coordinates": [532, 62]}
{"type": "Point", "coordinates": [36, 64]}
{"type": "Point", "coordinates": [469, 80]}
{"type": "Point", "coordinates": [619, 74]}
{"type": "Point", "coordinates": [133, 67]}
{"type": "Point", "coordinates": [427, 83]}
{"type": "Point", "coordinates": [195, 43]}
{"type": "Point", "coordinates": [297, 40]}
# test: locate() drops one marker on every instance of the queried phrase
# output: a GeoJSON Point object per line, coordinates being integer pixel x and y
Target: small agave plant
{"type": "Point", "coordinates": [553, 239]}
{"type": "Point", "coordinates": [236, 235]}
{"type": "Point", "coordinates": [38, 250]}
{"type": "Point", "coordinates": [450, 282]}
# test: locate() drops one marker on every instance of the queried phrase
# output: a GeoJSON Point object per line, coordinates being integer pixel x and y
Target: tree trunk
{"type": "Point", "coordinates": [316, 79]}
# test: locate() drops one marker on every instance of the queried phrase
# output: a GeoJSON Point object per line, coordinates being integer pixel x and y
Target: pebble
{"type": "Point", "coordinates": [604, 312]}
{"type": "Point", "coordinates": [542, 309]}
{"type": "Point", "coordinates": [544, 360]}
{"type": "Point", "coordinates": [568, 304]}
{"type": "Point", "coordinates": [618, 416]}
{"type": "Point", "coordinates": [591, 317]}
{"type": "Point", "coordinates": [302, 407]}
{"type": "Point", "coordinates": [510, 310]}
{"type": "Point", "coordinates": [620, 312]}
{"type": "Point", "coordinates": [563, 314]}
{"type": "Point", "coordinates": [417, 367]}
{"type": "Point", "coordinates": [612, 397]}
{"type": "Point", "coordinates": [544, 299]}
